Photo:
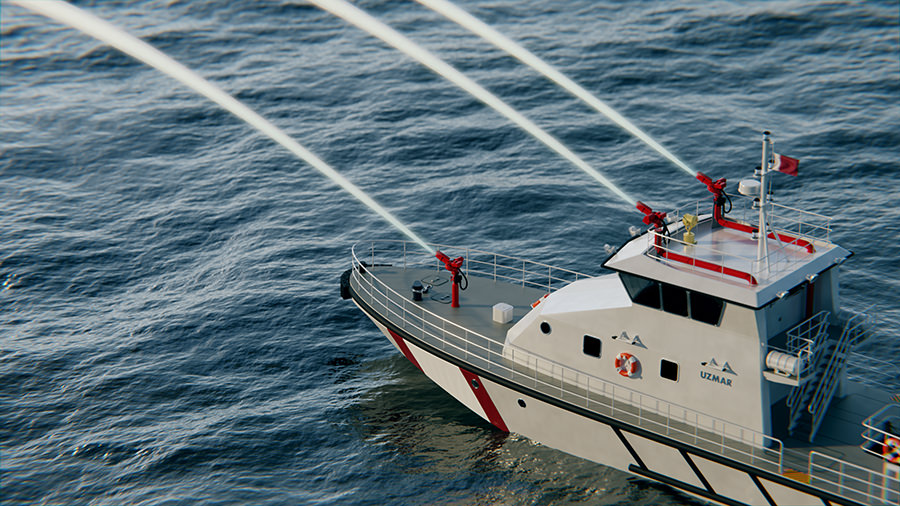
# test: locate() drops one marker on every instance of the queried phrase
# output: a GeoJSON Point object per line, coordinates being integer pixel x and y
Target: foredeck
{"type": "Point", "coordinates": [476, 302]}
{"type": "Point", "coordinates": [469, 334]}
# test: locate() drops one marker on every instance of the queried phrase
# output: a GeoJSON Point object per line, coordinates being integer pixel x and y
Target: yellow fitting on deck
{"type": "Point", "coordinates": [690, 221]}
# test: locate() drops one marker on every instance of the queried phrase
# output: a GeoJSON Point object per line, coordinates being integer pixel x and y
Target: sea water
{"type": "Point", "coordinates": [172, 331]}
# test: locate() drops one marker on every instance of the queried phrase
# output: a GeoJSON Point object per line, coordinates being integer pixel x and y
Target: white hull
{"type": "Point", "coordinates": [613, 443]}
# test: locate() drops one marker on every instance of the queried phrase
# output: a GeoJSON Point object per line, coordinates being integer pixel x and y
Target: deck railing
{"type": "Point", "coordinates": [802, 342]}
{"type": "Point", "coordinates": [788, 220]}
{"type": "Point", "coordinates": [783, 220]}
{"type": "Point", "coordinates": [548, 377]}
{"type": "Point", "coordinates": [879, 427]}
{"type": "Point", "coordinates": [491, 265]}
{"type": "Point", "coordinates": [724, 264]}
{"type": "Point", "coordinates": [854, 482]}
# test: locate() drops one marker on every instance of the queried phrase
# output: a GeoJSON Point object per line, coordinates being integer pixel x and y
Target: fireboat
{"type": "Point", "coordinates": [713, 357]}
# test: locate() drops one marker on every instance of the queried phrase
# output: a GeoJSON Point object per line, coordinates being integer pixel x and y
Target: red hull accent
{"type": "Point", "coordinates": [405, 349]}
{"type": "Point", "coordinates": [485, 400]}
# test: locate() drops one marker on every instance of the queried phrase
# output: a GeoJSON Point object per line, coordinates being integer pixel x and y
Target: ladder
{"type": "Point", "coordinates": [828, 363]}
{"type": "Point", "coordinates": [855, 331]}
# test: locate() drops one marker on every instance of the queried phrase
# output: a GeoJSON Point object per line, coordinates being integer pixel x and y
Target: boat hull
{"type": "Point", "coordinates": [595, 437]}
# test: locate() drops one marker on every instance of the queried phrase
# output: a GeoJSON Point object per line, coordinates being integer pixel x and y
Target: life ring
{"type": "Point", "coordinates": [627, 364]}
{"type": "Point", "coordinates": [891, 450]}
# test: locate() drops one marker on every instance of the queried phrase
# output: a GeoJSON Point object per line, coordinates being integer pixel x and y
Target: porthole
{"type": "Point", "coordinates": [474, 383]}
{"type": "Point", "coordinates": [545, 327]}
{"type": "Point", "coordinates": [521, 403]}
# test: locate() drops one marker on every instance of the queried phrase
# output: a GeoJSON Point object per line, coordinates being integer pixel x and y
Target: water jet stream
{"type": "Point", "coordinates": [478, 27]}
{"type": "Point", "coordinates": [102, 30]}
{"type": "Point", "coordinates": [387, 34]}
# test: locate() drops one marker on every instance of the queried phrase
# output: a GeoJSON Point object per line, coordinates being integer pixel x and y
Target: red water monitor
{"type": "Point", "coordinates": [455, 275]}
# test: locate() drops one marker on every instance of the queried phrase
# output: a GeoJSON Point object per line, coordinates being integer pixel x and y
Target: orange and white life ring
{"type": "Point", "coordinates": [891, 450]}
{"type": "Point", "coordinates": [627, 364]}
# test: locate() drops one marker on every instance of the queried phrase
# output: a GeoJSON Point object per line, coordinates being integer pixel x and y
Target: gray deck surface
{"type": "Point", "coordinates": [477, 302]}
{"type": "Point", "coordinates": [838, 437]}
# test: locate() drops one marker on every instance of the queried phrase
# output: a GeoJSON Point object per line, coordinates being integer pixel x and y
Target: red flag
{"type": "Point", "coordinates": [786, 164]}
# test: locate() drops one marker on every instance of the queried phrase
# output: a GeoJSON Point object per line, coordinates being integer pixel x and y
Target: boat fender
{"type": "Point", "coordinates": [627, 364]}
{"type": "Point", "coordinates": [345, 284]}
{"type": "Point", "coordinates": [892, 450]}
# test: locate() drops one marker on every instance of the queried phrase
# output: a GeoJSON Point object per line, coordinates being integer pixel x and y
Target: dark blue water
{"type": "Point", "coordinates": [171, 331]}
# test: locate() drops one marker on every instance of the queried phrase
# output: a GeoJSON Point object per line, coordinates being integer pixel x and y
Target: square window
{"type": "Point", "coordinates": [591, 346]}
{"type": "Point", "coordinates": [668, 370]}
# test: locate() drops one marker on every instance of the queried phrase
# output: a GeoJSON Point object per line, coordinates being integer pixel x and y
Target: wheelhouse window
{"type": "Point", "coordinates": [673, 299]}
{"type": "Point", "coordinates": [706, 308]}
{"type": "Point", "coordinates": [642, 291]}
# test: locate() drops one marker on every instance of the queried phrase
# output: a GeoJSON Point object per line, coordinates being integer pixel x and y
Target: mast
{"type": "Point", "coordinates": [762, 251]}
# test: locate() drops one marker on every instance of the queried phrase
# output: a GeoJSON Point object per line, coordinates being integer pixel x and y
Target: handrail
{"type": "Point", "coordinates": [745, 268]}
{"type": "Point", "coordinates": [852, 481]}
{"type": "Point", "coordinates": [657, 240]}
{"type": "Point", "coordinates": [801, 224]}
{"type": "Point", "coordinates": [521, 274]}
{"type": "Point", "coordinates": [563, 382]}
{"type": "Point", "coordinates": [876, 431]}
{"type": "Point", "coordinates": [830, 377]}
{"type": "Point", "coordinates": [799, 335]}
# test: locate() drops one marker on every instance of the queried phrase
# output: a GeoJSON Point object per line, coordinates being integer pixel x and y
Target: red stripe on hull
{"type": "Point", "coordinates": [405, 349]}
{"type": "Point", "coordinates": [485, 400]}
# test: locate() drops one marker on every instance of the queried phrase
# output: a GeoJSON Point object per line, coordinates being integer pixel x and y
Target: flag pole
{"type": "Point", "coordinates": [762, 251]}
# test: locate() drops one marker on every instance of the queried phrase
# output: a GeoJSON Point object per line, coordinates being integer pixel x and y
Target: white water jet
{"type": "Point", "coordinates": [102, 30]}
{"type": "Point", "coordinates": [476, 26]}
{"type": "Point", "coordinates": [387, 34]}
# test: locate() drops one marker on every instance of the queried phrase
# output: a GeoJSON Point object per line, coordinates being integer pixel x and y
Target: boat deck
{"type": "Point", "coordinates": [477, 302]}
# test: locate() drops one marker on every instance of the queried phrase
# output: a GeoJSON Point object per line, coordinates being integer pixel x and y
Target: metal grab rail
{"type": "Point", "coordinates": [800, 222]}
{"type": "Point", "coordinates": [489, 264]}
{"type": "Point", "coordinates": [677, 252]}
{"type": "Point", "coordinates": [803, 341]}
{"type": "Point", "coordinates": [782, 219]}
{"type": "Point", "coordinates": [808, 333]}
{"type": "Point", "coordinates": [564, 383]}
{"type": "Point", "coordinates": [854, 331]}
{"type": "Point", "coordinates": [852, 481]}
{"type": "Point", "coordinates": [879, 427]}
